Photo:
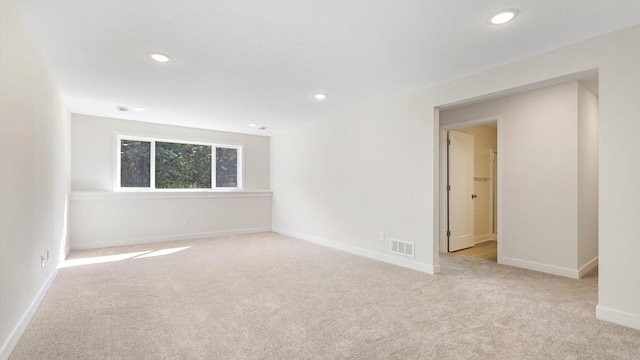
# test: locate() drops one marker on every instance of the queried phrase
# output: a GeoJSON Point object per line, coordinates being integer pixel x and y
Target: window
{"type": "Point", "coordinates": [183, 166]}
{"type": "Point", "coordinates": [147, 163]}
{"type": "Point", "coordinates": [135, 163]}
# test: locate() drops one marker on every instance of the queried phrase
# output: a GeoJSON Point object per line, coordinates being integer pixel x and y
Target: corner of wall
{"type": "Point", "coordinates": [13, 338]}
{"type": "Point", "coordinates": [35, 176]}
{"type": "Point", "coordinates": [588, 175]}
{"type": "Point", "coordinates": [618, 317]}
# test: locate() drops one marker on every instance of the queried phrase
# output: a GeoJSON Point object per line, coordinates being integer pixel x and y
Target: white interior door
{"type": "Point", "coordinates": [460, 180]}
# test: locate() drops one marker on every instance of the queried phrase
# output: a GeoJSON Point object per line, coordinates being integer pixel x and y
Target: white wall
{"type": "Point", "coordinates": [104, 220]}
{"type": "Point", "coordinates": [539, 162]}
{"type": "Point", "coordinates": [100, 218]}
{"type": "Point", "coordinates": [376, 168]}
{"type": "Point", "coordinates": [485, 141]}
{"type": "Point", "coordinates": [34, 176]}
{"type": "Point", "coordinates": [587, 178]}
{"type": "Point", "coordinates": [345, 181]}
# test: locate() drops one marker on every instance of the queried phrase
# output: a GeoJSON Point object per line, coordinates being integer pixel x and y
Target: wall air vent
{"type": "Point", "coordinates": [402, 247]}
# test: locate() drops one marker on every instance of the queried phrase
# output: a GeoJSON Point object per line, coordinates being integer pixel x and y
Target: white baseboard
{"type": "Point", "coordinates": [484, 238]}
{"type": "Point", "coordinates": [588, 267]}
{"type": "Point", "coordinates": [411, 264]}
{"type": "Point", "coordinates": [545, 268]}
{"type": "Point", "coordinates": [155, 239]}
{"type": "Point", "coordinates": [24, 321]}
{"type": "Point", "coordinates": [618, 317]}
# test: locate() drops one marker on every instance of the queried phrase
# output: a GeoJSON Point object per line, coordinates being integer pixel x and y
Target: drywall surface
{"type": "Point", "coordinates": [347, 180]}
{"type": "Point", "coordinates": [104, 220]}
{"type": "Point", "coordinates": [540, 172]}
{"type": "Point", "coordinates": [348, 177]}
{"type": "Point", "coordinates": [587, 176]}
{"type": "Point", "coordinates": [93, 149]}
{"type": "Point", "coordinates": [100, 217]}
{"type": "Point", "coordinates": [34, 173]}
{"type": "Point", "coordinates": [485, 141]}
{"type": "Point", "coordinates": [619, 169]}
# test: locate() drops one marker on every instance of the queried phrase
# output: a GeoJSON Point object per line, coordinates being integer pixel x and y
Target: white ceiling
{"type": "Point", "coordinates": [257, 61]}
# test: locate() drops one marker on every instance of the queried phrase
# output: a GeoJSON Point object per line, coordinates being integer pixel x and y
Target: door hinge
{"type": "Point", "coordinates": [448, 187]}
{"type": "Point", "coordinates": [448, 141]}
{"type": "Point", "coordinates": [448, 232]}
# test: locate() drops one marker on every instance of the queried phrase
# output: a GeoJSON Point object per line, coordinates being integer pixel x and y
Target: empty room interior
{"type": "Point", "coordinates": [319, 180]}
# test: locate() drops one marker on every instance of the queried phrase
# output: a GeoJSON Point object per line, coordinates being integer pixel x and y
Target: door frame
{"type": "Point", "coordinates": [442, 242]}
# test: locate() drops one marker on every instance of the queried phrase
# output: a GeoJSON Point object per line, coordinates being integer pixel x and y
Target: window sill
{"type": "Point", "coordinates": [190, 194]}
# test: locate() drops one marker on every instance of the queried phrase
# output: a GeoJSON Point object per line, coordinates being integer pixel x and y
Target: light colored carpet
{"type": "Point", "coordinates": [268, 296]}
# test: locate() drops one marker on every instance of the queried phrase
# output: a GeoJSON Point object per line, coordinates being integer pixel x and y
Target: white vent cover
{"type": "Point", "coordinates": [402, 247]}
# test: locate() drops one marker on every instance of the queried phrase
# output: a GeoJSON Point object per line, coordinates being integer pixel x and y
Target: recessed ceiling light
{"type": "Point", "coordinates": [502, 17]}
{"type": "Point", "coordinates": [138, 108]}
{"type": "Point", "coordinates": [159, 57]}
{"type": "Point", "coordinates": [320, 96]}
{"type": "Point", "coordinates": [122, 108]}
{"type": "Point", "coordinates": [253, 125]}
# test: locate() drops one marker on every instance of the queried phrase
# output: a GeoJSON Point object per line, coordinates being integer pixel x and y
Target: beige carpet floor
{"type": "Point", "coordinates": [268, 296]}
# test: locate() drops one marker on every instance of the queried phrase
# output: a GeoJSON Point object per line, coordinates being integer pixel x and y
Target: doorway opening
{"type": "Point", "coordinates": [547, 148]}
{"type": "Point", "coordinates": [471, 150]}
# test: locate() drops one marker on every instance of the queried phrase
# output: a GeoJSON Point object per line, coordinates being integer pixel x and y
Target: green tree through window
{"type": "Point", "coordinates": [227, 167]}
{"type": "Point", "coordinates": [183, 166]}
{"type": "Point", "coordinates": [135, 163]}
{"type": "Point", "coordinates": [177, 165]}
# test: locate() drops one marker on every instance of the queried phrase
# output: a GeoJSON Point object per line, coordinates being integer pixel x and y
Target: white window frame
{"type": "Point", "coordinates": [152, 168]}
